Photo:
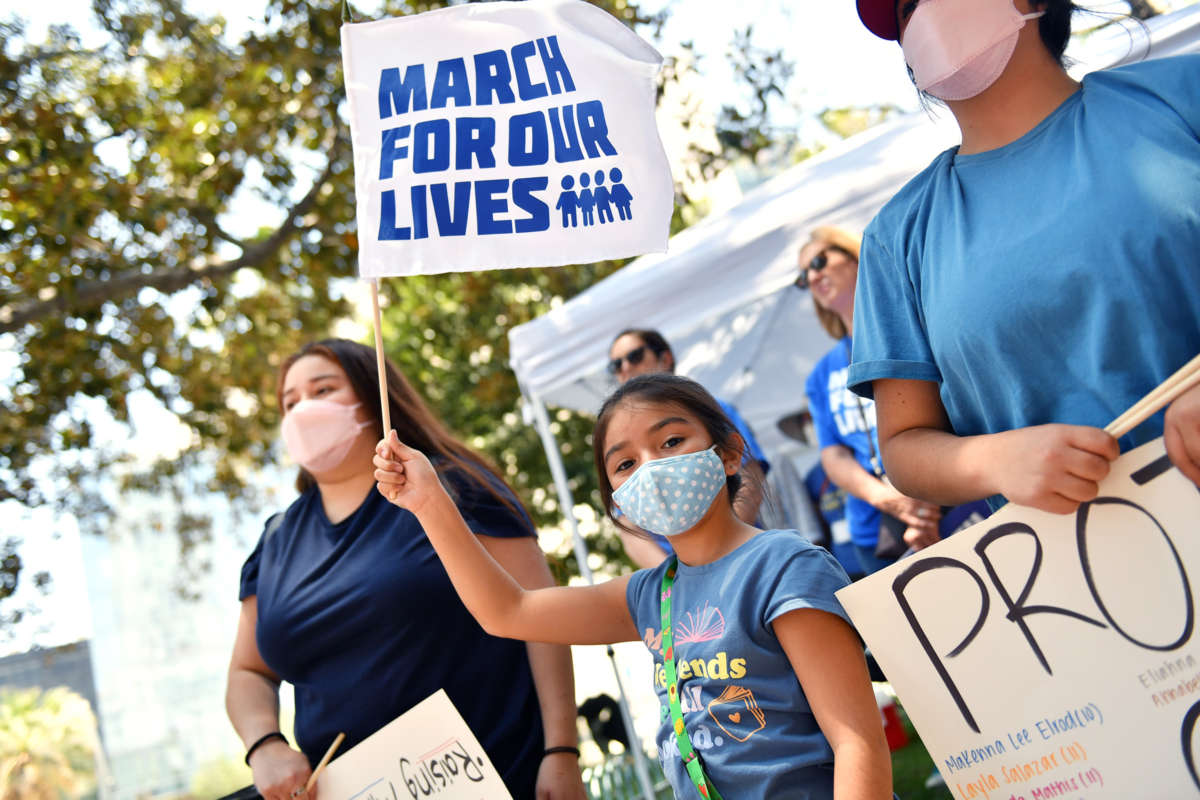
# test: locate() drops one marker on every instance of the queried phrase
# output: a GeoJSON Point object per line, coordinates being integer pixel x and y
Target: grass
{"type": "Point", "coordinates": [912, 766]}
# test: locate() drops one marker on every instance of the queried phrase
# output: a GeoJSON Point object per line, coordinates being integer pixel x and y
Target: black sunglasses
{"type": "Point", "coordinates": [818, 263]}
{"type": "Point", "coordinates": [634, 357]}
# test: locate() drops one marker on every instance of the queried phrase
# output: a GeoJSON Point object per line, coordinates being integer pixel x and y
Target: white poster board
{"type": "Point", "coordinates": [1045, 656]}
{"type": "Point", "coordinates": [504, 134]}
{"type": "Point", "coordinates": [428, 750]}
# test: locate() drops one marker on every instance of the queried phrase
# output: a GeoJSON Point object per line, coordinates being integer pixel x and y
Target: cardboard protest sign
{"type": "Point", "coordinates": [1044, 656]}
{"type": "Point", "coordinates": [505, 134]}
{"type": "Point", "coordinates": [428, 750]}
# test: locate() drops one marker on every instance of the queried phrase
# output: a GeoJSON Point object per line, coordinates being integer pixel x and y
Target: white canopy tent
{"type": "Point", "coordinates": [722, 295]}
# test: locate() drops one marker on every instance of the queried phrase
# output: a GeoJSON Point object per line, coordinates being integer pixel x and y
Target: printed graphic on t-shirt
{"type": "Point", "coordinates": [736, 713]}
{"type": "Point", "coordinates": [704, 625]}
{"type": "Point", "coordinates": [704, 685]}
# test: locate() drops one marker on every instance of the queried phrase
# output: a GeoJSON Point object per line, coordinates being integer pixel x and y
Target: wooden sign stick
{"type": "Point", "coordinates": [1184, 378]}
{"type": "Point", "coordinates": [379, 362]}
{"type": "Point", "coordinates": [312, 779]}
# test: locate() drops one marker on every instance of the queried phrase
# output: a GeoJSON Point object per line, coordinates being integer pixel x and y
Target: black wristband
{"type": "Point", "coordinates": [561, 749]}
{"type": "Point", "coordinates": [263, 740]}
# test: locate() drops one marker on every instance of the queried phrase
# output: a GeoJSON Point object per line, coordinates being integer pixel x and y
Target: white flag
{"type": "Point", "coordinates": [505, 134]}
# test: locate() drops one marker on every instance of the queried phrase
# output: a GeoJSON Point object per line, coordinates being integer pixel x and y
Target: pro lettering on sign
{"type": "Point", "coordinates": [1043, 655]}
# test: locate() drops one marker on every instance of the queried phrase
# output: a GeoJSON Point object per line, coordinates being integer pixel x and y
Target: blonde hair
{"type": "Point", "coordinates": [842, 239]}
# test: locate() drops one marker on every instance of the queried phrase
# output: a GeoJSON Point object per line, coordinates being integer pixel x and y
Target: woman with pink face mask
{"type": "Point", "coordinates": [1035, 281]}
{"type": "Point", "coordinates": [344, 597]}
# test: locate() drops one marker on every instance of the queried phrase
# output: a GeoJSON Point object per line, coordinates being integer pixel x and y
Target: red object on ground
{"type": "Point", "coordinates": [893, 727]}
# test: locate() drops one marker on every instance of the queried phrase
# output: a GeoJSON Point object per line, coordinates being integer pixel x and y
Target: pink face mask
{"type": "Point", "coordinates": [320, 433]}
{"type": "Point", "coordinates": [958, 48]}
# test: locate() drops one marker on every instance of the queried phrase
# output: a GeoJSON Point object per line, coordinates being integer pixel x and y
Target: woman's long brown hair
{"type": "Point", "coordinates": [415, 423]}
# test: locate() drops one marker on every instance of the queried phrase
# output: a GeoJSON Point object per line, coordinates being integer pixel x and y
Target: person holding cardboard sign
{"type": "Point", "coordinates": [1036, 280]}
{"type": "Point", "coordinates": [344, 598]}
{"type": "Point", "coordinates": [762, 680]}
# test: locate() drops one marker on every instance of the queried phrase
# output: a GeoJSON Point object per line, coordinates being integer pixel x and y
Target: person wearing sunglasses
{"type": "Point", "coordinates": [644, 351]}
{"type": "Point", "coordinates": [1038, 279]}
{"type": "Point", "coordinates": [845, 423]}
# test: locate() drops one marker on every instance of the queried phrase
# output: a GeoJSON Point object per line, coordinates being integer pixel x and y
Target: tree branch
{"type": "Point", "coordinates": [168, 281]}
{"type": "Point", "coordinates": [208, 219]}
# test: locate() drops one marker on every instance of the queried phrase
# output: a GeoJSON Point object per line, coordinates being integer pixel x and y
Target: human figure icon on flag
{"type": "Point", "coordinates": [567, 202]}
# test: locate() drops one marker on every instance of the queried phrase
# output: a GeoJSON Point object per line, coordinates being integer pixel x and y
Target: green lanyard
{"type": "Point", "coordinates": [686, 751]}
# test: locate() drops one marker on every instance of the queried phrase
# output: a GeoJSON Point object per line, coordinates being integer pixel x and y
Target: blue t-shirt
{"type": "Point", "coordinates": [362, 619]}
{"type": "Point", "coordinates": [1055, 279]}
{"type": "Point", "coordinates": [743, 707]}
{"type": "Point", "coordinates": [840, 420]}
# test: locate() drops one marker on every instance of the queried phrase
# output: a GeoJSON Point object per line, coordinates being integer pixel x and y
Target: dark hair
{"type": "Point", "coordinates": [667, 389]}
{"type": "Point", "coordinates": [414, 422]}
{"type": "Point", "coordinates": [651, 338]}
{"type": "Point", "coordinates": [1055, 25]}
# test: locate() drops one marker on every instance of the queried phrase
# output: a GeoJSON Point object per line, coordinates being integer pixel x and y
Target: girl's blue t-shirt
{"type": "Point", "coordinates": [744, 710]}
{"type": "Point", "coordinates": [362, 619]}
{"type": "Point", "coordinates": [1055, 279]}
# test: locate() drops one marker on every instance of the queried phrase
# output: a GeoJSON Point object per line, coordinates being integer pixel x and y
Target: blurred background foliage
{"type": "Point", "coordinates": [48, 745]}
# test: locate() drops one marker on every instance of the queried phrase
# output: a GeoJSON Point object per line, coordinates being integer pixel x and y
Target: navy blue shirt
{"type": "Point", "coordinates": [361, 618]}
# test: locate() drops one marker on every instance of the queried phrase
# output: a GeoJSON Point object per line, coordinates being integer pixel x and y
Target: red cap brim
{"type": "Point", "coordinates": [880, 18]}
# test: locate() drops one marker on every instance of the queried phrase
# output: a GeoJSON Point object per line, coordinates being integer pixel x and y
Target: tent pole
{"type": "Point", "coordinates": [566, 503]}
{"type": "Point", "coordinates": [559, 473]}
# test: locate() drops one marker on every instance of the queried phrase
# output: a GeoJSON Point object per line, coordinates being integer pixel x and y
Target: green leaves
{"type": "Point", "coordinates": [176, 216]}
{"type": "Point", "coordinates": [125, 265]}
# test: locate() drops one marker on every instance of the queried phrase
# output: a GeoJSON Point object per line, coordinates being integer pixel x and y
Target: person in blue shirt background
{"type": "Point", "coordinates": [845, 424]}
{"type": "Point", "coordinates": [829, 501]}
{"type": "Point", "coordinates": [644, 351]}
{"type": "Point", "coordinates": [1038, 279]}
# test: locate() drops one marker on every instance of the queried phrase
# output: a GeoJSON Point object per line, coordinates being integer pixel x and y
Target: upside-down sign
{"type": "Point", "coordinates": [1044, 656]}
{"type": "Point", "coordinates": [506, 134]}
{"type": "Point", "coordinates": [428, 750]}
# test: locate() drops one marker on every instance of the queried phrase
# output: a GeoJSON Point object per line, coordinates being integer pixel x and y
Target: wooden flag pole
{"type": "Point", "coordinates": [1185, 378]}
{"type": "Point", "coordinates": [383, 387]}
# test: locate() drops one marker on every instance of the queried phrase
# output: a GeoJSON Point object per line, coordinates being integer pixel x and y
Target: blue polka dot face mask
{"type": "Point", "coordinates": [670, 495]}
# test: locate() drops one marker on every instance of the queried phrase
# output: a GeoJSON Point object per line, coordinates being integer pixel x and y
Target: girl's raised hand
{"type": "Point", "coordinates": [404, 475]}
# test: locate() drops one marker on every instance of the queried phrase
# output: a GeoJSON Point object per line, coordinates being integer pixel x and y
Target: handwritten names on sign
{"type": "Point", "coordinates": [1044, 656]}
{"type": "Point", "coordinates": [427, 751]}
